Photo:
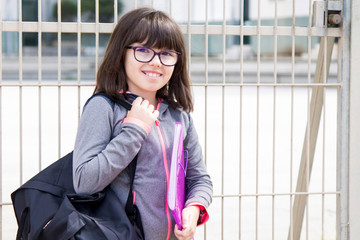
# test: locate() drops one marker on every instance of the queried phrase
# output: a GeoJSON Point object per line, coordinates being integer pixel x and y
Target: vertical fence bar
{"type": "Point", "coordinates": [223, 119]}
{"type": "Point", "coordinates": [291, 162]}
{"type": "Point", "coordinates": [206, 76]}
{"type": "Point", "coordinates": [273, 166]}
{"type": "Point", "coordinates": [240, 104]}
{"type": "Point", "coordinates": [170, 8]}
{"type": "Point", "coordinates": [116, 5]}
{"type": "Point", "coordinates": [323, 235]}
{"type": "Point", "coordinates": [258, 34]}
{"type": "Point", "coordinates": [97, 30]}
{"type": "Point", "coordinates": [308, 94]}
{"type": "Point", "coordinates": [292, 116]}
{"type": "Point", "coordinates": [59, 75]}
{"type": "Point", "coordinates": [189, 36]}
{"type": "Point", "coordinates": [20, 91]}
{"type": "Point", "coordinates": [257, 120]}
{"type": "Point", "coordinates": [257, 159]}
{"type": "Point", "coordinates": [274, 122]}
{"type": "Point", "coordinates": [79, 57]}
{"type": "Point", "coordinates": [40, 78]}
{"type": "Point", "coordinates": [206, 43]}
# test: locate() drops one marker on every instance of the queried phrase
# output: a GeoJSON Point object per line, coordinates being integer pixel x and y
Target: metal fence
{"type": "Point", "coordinates": [271, 83]}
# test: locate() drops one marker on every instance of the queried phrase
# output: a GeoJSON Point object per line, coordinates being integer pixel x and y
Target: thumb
{"type": "Point", "coordinates": [184, 220]}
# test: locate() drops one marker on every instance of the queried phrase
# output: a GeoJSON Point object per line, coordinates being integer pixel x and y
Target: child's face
{"type": "Point", "coordinates": [145, 79]}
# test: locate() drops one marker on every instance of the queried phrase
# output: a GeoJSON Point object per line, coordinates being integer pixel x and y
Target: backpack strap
{"type": "Point", "coordinates": [24, 224]}
{"type": "Point", "coordinates": [130, 207]}
{"type": "Point", "coordinates": [120, 101]}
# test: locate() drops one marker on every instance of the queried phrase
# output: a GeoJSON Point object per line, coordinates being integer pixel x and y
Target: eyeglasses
{"type": "Point", "coordinates": [145, 55]}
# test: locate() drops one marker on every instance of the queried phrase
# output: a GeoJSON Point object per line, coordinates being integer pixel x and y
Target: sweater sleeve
{"type": "Point", "coordinates": [199, 186]}
{"type": "Point", "coordinates": [98, 155]}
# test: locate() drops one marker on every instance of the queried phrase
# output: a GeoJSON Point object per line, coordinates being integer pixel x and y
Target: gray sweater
{"type": "Point", "coordinates": [105, 145]}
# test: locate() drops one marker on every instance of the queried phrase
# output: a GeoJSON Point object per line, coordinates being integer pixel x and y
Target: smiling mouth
{"type": "Point", "coordinates": [152, 74]}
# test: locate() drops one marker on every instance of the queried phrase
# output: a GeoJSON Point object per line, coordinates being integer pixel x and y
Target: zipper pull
{"type": "Point", "coordinates": [157, 122]}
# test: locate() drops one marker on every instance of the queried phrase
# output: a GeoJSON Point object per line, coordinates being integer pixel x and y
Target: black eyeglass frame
{"type": "Point", "coordinates": [155, 53]}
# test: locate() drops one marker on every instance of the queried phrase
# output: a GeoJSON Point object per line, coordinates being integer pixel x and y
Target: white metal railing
{"type": "Point", "coordinates": [257, 134]}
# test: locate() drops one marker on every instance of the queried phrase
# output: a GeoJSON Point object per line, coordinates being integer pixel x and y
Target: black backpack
{"type": "Point", "coordinates": [47, 207]}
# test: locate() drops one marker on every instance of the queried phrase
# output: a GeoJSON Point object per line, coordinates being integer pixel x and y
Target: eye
{"type": "Point", "coordinates": [142, 50]}
{"type": "Point", "coordinates": [167, 54]}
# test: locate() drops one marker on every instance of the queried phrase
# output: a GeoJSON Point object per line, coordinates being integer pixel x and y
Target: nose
{"type": "Point", "coordinates": [156, 61]}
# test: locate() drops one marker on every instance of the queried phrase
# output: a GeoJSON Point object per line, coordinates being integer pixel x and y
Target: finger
{"type": "Point", "coordinates": [156, 114]}
{"type": "Point", "coordinates": [145, 104]}
{"type": "Point", "coordinates": [176, 228]}
{"type": "Point", "coordinates": [178, 233]}
{"type": "Point", "coordinates": [151, 108]}
{"type": "Point", "coordinates": [185, 219]}
{"type": "Point", "coordinates": [137, 101]}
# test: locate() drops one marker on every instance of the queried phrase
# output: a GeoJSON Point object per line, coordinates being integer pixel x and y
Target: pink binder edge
{"type": "Point", "coordinates": [176, 195]}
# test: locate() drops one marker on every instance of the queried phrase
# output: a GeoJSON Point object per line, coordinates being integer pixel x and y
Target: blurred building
{"type": "Point", "coordinates": [209, 12]}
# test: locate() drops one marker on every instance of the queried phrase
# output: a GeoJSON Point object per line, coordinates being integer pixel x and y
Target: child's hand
{"type": "Point", "coordinates": [143, 111]}
{"type": "Point", "coordinates": [190, 216]}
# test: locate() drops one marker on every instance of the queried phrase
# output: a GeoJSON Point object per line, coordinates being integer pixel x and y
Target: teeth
{"type": "Point", "coordinates": [153, 74]}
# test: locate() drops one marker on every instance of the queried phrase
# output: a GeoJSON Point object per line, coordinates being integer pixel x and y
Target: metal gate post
{"type": "Point", "coordinates": [342, 185]}
{"type": "Point", "coordinates": [354, 124]}
{"type": "Point", "coordinates": [331, 13]}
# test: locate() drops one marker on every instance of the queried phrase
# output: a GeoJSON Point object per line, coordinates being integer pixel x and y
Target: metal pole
{"type": "Point", "coordinates": [342, 185]}
{"type": "Point", "coordinates": [354, 133]}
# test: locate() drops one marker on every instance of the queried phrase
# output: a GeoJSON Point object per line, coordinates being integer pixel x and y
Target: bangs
{"type": "Point", "coordinates": [158, 31]}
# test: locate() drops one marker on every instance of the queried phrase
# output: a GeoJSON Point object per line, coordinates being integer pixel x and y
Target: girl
{"type": "Point", "coordinates": [145, 62]}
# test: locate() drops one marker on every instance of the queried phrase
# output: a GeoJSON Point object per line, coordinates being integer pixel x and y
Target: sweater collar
{"type": "Point", "coordinates": [162, 103]}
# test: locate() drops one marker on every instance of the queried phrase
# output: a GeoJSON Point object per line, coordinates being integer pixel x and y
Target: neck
{"type": "Point", "coordinates": [154, 102]}
{"type": "Point", "coordinates": [151, 98]}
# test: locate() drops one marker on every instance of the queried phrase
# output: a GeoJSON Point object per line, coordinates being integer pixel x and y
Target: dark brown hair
{"type": "Point", "coordinates": [154, 29]}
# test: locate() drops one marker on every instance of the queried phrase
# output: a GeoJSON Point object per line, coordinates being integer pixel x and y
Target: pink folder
{"type": "Point", "coordinates": [176, 195]}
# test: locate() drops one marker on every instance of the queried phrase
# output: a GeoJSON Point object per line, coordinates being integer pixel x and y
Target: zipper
{"type": "Point", "coordinates": [162, 142]}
